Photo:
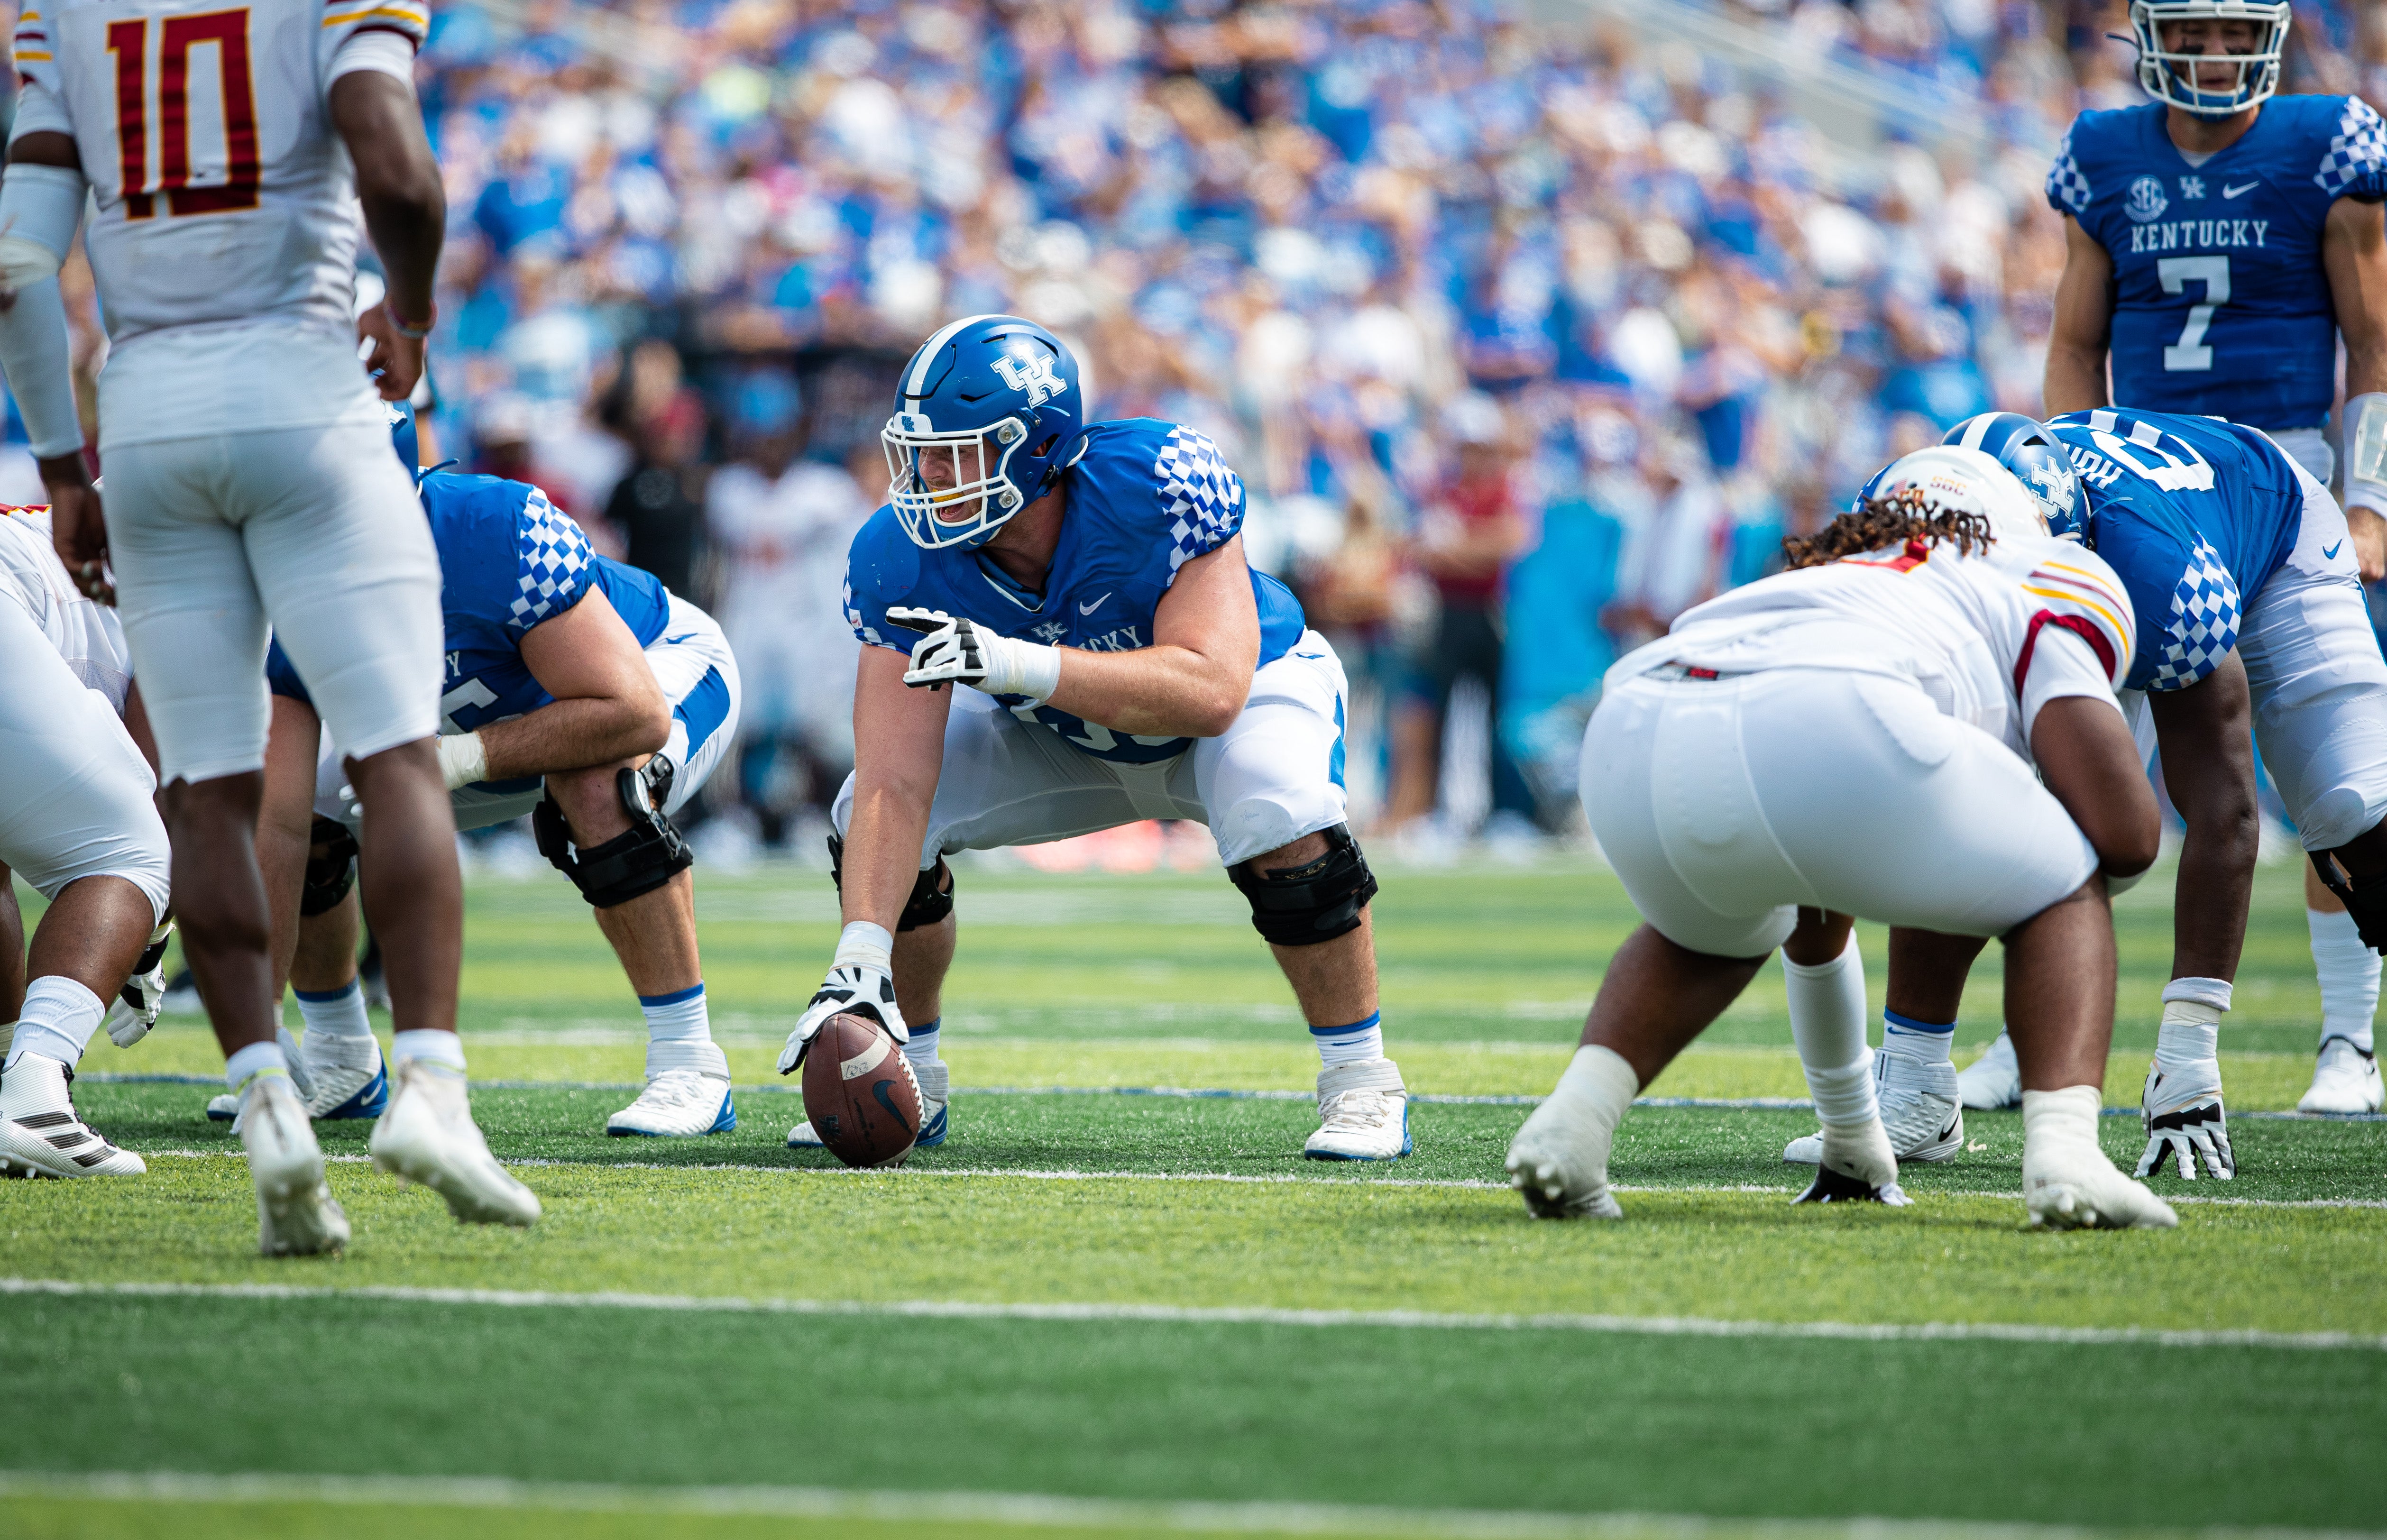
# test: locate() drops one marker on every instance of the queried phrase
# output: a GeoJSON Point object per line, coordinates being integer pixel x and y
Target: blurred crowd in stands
{"type": "Point", "coordinates": [1525, 333]}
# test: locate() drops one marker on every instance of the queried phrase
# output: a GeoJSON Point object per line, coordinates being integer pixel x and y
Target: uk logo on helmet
{"type": "Point", "coordinates": [1032, 376]}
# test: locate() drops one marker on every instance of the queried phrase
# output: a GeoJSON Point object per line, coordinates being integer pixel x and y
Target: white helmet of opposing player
{"type": "Point", "coordinates": [2169, 73]}
{"type": "Point", "coordinates": [1966, 481]}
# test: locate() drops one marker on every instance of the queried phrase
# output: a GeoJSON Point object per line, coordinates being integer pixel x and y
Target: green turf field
{"type": "Point", "coordinates": [1099, 1310]}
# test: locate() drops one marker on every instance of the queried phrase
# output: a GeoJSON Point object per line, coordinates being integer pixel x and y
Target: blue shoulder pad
{"type": "Point", "coordinates": [2068, 188]}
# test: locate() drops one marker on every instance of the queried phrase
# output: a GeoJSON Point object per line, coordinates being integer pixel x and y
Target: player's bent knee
{"type": "Point", "coordinates": [331, 868]}
{"type": "Point", "coordinates": [631, 864]}
{"type": "Point", "coordinates": [1313, 902]}
{"type": "Point", "coordinates": [933, 891]}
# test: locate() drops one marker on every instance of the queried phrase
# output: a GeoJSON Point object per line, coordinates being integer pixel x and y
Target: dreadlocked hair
{"type": "Point", "coordinates": [1905, 516]}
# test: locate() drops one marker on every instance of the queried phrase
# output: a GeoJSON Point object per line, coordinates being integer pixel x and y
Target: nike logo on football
{"type": "Point", "coordinates": [1090, 609]}
{"type": "Point", "coordinates": [2233, 192]}
{"type": "Point", "coordinates": [2331, 554]}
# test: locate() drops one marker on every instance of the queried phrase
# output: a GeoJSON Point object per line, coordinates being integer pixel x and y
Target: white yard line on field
{"type": "Point", "coordinates": [1196, 1315]}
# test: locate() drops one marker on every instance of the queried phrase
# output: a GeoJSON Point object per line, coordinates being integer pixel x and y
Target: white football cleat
{"type": "Point", "coordinates": [1919, 1113]}
{"type": "Point", "coordinates": [2344, 1080]}
{"type": "Point", "coordinates": [427, 1135]}
{"type": "Point", "coordinates": [349, 1076]}
{"type": "Point", "coordinates": [42, 1135]}
{"type": "Point", "coordinates": [1363, 1112]}
{"type": "Point", "coordinates": [1993, 1082]}
{"type": "Point", "coordinates": [678, 1103]}
{"type": "Point", "coordinates": [296, 1214]}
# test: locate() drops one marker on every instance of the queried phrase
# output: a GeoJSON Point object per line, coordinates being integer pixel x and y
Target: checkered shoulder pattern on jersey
{"type": "Point", "coordinates": [2195, 515]}
{"type": "Point", "coordinates": [2221, 305]}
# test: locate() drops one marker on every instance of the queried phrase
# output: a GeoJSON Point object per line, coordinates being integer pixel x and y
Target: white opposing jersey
{"type": "Point", "coordinates": [223, 195]}
{"type": "Point", "coordinates": [1965, 628]}
{"type": "Point", "coordinates": [86, 634]}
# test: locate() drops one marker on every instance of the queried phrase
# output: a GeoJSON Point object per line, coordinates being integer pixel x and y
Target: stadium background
{"type": "Point", "coordinates": [1636, 288]}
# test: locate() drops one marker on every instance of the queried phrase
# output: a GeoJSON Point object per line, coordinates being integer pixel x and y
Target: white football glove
{"type": "Point", "coordinates": [136, 1009]}
{"type": "Point", "coordinates": [858, 987]}
{"type": "Point", "coordinates": [957, 650]}
{"type": "Point", "coordinates": [2183, 1117]}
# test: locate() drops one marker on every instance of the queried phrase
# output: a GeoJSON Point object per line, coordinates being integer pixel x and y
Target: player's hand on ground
{"type": "Point", "coordinates": [78, 528]}
{"type": "Point", "coordinates": [957, 650]}
{"type": "Point", "coordinates": [2187, 1130]}
{"type": "Point", "coordinates": [392, 358]}
{"type": "Point", "coordinates": [850, 986]}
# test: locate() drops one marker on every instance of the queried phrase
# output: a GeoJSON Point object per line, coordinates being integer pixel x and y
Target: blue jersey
{"type": "Point", "coordinates": [2196, 514]}
{"type": "Point", "coordinates": [508, 560]}
{"type": "Point", "coordinates": [2220, 302]}
{"type": "Point", "coordinates": [1145, 498]}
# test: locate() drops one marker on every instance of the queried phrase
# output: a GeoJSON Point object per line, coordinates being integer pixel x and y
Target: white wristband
{"type": "Point", "coordinates": [463, 759]}
{"type": "Point", "coordinates": [1039, 672]}
{"type": "Point", "coordinates": [865, 944]}
{"type": "Point", "coordinates": [40, 207]}
{"type": "Point", "coordinates": [2366, 451]}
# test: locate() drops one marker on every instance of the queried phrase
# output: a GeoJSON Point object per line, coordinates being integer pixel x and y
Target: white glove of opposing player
{"type": "Point", "coordinates": [2182, 1114]}
{"type": "Point", "coordinates": [848, 988]}
{"type": "Point", "coordinates": [960, 651]}
{"type": "Point", "coordinates": [134, 1011]}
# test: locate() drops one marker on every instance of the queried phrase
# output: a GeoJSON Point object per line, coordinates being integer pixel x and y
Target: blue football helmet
{"type": "Point", "coordinates": [2170, 77]}
{"type": "Point", "coordinates": [2023, 445]}
{"type": "Point", "coordinates": [987, 417]}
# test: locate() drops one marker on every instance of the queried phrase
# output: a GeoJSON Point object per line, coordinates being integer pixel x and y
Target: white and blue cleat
{"type": "Point", "coordinates": [1363, 1112]}
{"type": "Point", "coordinates": [677, 1104]}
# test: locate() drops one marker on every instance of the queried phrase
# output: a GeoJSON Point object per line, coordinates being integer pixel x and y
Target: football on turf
{"type": "Point", "coordinates": [860, 1092]}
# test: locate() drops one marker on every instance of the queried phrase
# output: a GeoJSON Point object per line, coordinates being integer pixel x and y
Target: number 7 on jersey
{"type": "Point", "coordinates": [179, 38]}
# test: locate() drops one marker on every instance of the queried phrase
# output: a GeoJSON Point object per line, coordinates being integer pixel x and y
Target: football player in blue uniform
{"type": "Point", "coordinates": [578, 690]}
{"type": "Point", "coordinates": [2240, 570]}
{"type": "Point", "coordinates": [1088, 582]}
{"type": "Point", "coordinates": [2219, 240]}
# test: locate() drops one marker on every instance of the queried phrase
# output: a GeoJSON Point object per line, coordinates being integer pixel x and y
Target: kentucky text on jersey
{"type": "Point", "coordinates": [508, 560]}
{"type": "Point", "coordinates": [1145, 498]}
{"type": "Point", "coordinates": [2195, 514]}
{"type": "Point", "coordinates": [2221, 304]}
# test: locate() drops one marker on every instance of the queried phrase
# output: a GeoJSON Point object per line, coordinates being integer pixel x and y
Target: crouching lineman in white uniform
{"type": "Point", "coordinates": [1856, 737]}
{"type": "Point", "coordinates": [579, 691]}
{"type": "Point", "coordinates": [250, 489]}
{"type": "Point", "coordinates": [1088, 584]}
{"type": "Point", "coordinates": [79, 824]}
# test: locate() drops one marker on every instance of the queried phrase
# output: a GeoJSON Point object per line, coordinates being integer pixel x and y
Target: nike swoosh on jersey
{"type": "Point", "coordinates": [2233, 192]}
{"type": "Point", "coordinates": [674, 641]}
{"type": "Point", "coordinates": [1090, 609]}
{"type": "Point", "coordinates": [2331, 554]}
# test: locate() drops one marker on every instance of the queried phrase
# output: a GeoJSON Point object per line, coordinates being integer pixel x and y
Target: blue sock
{"type": "Point", "coordinates": [1352, 1044]}
{"type": "Point", "coordinates": [1923, 1042]}
{"type": "Point", "coordinates": [922, 1049]}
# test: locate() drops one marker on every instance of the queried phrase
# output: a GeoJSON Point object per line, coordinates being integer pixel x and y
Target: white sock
{"type": "Point", "coordinates": [936, 1080]}
{"type": "Point", "coordinates": [1827, 1021]}
{"type": "Point", "coordinates": [1917, 1041]}
{"type": "Point", "coordinates": [429, 1044]}
{"type": "Point", "coordinates": [2349, 978]}
{"type": "Point", "coordinates": [679, 1034]}
{"type": "Point", "coordinates": [1597, 1085]}
{"type": "Point", "coordinates": [58, 1020]}
{"type": "Point", "coordinates": [258, 1059]}
{"type": "Point", "coordinates": [1356, 1043]}
{"type": "Point", "coordinates": [2191, 1022]}
{"type": "Point", "coordinates": [2066, 1117]}
{"type": "Point", "coordinates": [336, 1013]}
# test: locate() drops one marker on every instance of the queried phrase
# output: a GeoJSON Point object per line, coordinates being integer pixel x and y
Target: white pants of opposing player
{"type": "Point", "coordinates": [1726, 804]}
{"type": "Point", "coordinates": [311, 533]}
{"type": "Point", "coordinates": [1275, 774]}
{"type": "Point", "coordinates": [79, 793]}
{"type": "Point", "coordinates": [691, 662]}
{"type": "Point", "coordinates": [2318, 682]}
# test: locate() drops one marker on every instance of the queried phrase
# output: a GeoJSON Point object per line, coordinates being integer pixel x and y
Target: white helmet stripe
{"type": "Point", "coordinates": [1974, 431]}
{"type": "Point", "coordinates": [919, 381]}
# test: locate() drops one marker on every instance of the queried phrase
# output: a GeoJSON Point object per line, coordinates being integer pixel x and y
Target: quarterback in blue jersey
{"type": "Point", "coordinates": [2219, 240]}
{"type": "Point", "coordinates": [1088, 582]}
{"type": "Point", "coordinates": [579, 691]}
{"type": "Point", "coordinates": [2240, 572]}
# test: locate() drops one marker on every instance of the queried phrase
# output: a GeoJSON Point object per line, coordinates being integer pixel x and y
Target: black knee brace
{"type": "Point", "coordinates": [638, 861]}
{"type": "Point", "coordinates": [2365, 898]}
{"type": "Point", "coordinates": [330, 874]}
{"type": "Point", "coordinates": [932, 894]}
{"type": "Point", "coordinates": [1304, 905]}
